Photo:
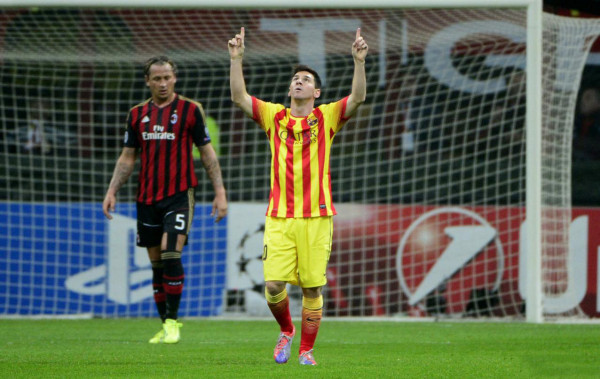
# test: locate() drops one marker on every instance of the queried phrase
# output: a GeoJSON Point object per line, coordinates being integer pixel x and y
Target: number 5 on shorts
{"type": "Point", "coordinates": [180, 222]}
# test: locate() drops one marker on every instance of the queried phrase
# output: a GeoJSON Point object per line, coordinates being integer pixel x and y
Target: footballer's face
{"type": "Point", "coordinates": [303, 86]}
{"type": "Point", "coordinates": [161, 80]}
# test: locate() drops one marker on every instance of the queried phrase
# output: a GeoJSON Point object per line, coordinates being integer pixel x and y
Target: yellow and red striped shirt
{"type": "Point", "coordinates": [300, 151]}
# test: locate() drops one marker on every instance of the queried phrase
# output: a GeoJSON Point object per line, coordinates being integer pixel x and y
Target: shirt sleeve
{"type": "Point", "coordinates": [199, 128]}
{"type": "Point", "coordinates": [264, 113]}
{"type": "Point", "coordinates": [335, 112]}
{"type": "Point", "coordinates": [130, 138]}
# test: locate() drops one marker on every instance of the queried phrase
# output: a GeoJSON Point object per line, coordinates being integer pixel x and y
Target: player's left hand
{"type": "Point", "coordinates": [359, 47]}
{"type": "Point", "coordinates": [219, 209]}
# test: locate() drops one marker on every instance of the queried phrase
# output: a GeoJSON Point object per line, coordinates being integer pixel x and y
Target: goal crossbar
{"type": "Point", "coordinates": [252, 4]}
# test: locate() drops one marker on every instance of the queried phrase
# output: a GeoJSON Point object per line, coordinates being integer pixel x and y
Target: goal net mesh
{"type": "Point", "coordinates": [428, 177]}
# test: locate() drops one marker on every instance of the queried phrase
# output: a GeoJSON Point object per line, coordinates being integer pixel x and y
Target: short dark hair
{"type": "Point", "coordinates": [161, 60]}
{"type": "Point", "coordinates": [302, 67]}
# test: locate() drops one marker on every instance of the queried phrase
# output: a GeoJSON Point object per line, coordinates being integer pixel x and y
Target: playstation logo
{"type": "Point", "coordinates": [126, 276]}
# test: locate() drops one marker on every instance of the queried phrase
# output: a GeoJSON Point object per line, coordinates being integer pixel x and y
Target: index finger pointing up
{"type": "Point", "coordinates": [358, 33]}
{"type": "Point", "coordinates": [242, 30]}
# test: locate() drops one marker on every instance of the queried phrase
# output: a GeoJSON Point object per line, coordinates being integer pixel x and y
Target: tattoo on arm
{"type": "Point", "coordinates": [213, 170]}
{"type": "Point", "coordinates": [122, 172]}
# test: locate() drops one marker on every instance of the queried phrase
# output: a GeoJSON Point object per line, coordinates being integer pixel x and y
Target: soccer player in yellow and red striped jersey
{"type": "Point", "coordinates": [161, 131]}
{"type": "Point", "coordinates": [299, 219]}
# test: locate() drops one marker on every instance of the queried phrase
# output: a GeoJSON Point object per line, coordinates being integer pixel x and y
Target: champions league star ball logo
{"type": "Point", "coordinates": [250, 251]}
{"type": "Point", "coordinates": [452, 250]}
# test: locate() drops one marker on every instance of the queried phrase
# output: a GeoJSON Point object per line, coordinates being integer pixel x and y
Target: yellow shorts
{"type": "Point", "coordinates": [296, 250]}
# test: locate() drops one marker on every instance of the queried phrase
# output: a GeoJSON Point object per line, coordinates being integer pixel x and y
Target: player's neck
{"type": "Point", "coordinates": [163, 103]}
{"type": "Point", "coordinates": [302, 108]}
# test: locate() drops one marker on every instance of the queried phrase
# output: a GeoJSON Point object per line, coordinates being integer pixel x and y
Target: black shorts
{"type": "Point", "coordinates": [171, 215]}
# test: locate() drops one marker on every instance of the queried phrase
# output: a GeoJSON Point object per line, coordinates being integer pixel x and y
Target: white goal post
{"type": "Point", "coordinates": [453, 138]}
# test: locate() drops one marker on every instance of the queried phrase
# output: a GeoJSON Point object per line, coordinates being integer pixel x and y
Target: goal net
{"type": "Point", "coordinates": [429, 177]}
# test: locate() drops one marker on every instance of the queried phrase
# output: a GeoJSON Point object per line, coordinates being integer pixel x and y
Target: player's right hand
{"type": "Point", "coordinates": [236, 45]}
{"type": "Point", "coordinates": [108, 205]}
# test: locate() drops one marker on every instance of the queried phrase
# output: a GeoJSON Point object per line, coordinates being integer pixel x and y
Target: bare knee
{"type": "Point", "coordinates": [173, 241]}
{"type": "Point", "coordinates": [313, 292]}
{"type": "Point", "coordinates": [274, 288]}
{"type": "Point", "coordinates": [154, 253]}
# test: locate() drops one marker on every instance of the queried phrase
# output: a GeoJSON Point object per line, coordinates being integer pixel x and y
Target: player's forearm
{"type": "Point", "coordinates": [236, 81]}
{"type": "Point", "coordinates": [213, 170]}
{"type": "Point", "coordinates": [359, 89]}
{"type": "Point", "coordinates": [122, 172]}
{"type": "Point", "coordinates": [359, 82]}
{"type": "Point", "coordinates": [239, 94]}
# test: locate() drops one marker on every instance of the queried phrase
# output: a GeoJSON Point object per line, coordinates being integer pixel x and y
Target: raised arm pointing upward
{"type": "Point", "coordinates": [359, 80]}
{"type": "Point", "coordinates": [239, 95]}
{"type": "Point", "coordinates": [243, 100]}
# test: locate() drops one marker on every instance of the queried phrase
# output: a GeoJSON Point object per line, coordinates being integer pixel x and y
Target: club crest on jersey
{"type": "Point", "coordinates": [174, 118]}
{"type": "Point", "coordinates": [311, 120]}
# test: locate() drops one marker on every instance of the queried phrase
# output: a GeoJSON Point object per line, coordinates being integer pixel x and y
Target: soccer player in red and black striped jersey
{"type": "Point", "coordinates": [298, 227]}
{"type": "Point", "coordinates": [161, 131]}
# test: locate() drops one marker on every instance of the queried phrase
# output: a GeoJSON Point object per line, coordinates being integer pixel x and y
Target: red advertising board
{"type": "Point", "coordinates": [393, 259]}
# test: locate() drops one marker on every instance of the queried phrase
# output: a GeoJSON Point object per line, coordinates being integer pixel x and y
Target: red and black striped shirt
{"type": "Point", "coordinates": [164, 137]}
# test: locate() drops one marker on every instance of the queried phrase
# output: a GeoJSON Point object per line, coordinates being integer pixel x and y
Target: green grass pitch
{"type": "Point", "coordinates": [118, 348]}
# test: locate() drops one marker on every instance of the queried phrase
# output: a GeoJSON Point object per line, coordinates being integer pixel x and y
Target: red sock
{"type": "Point", "coordinates": [281, 312]}
{"type": "Point", "coordinates": [311, 320]}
